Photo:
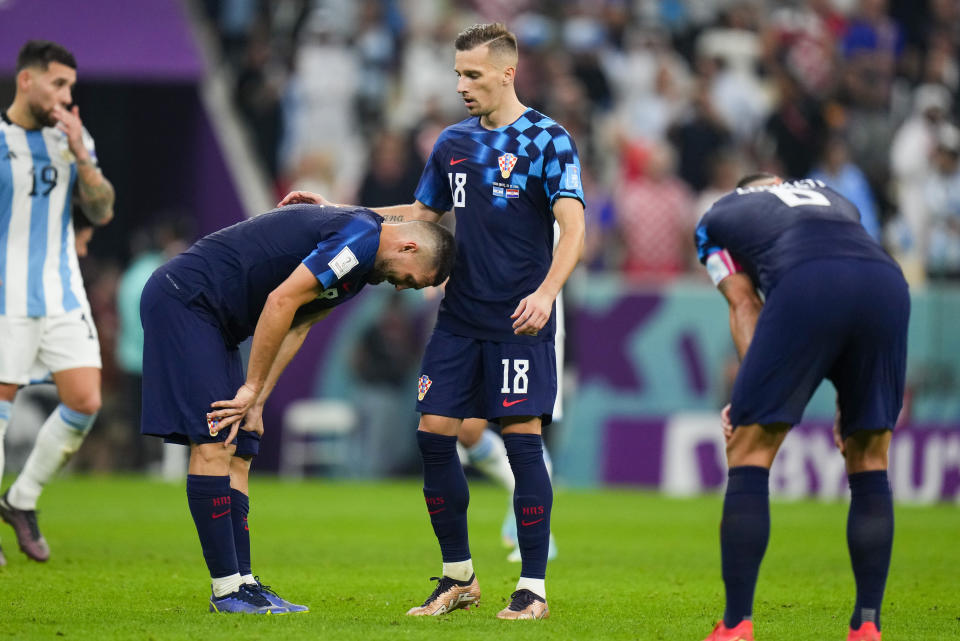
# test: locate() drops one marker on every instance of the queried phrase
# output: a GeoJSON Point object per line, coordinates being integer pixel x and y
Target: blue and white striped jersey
{"type": "Point", "coordinates": [39, 273]}
{"type": "Point", "coordinates": [501, 184]}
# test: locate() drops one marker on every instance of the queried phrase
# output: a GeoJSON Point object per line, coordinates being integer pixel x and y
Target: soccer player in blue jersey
{"type": "Point", "coordinates": [507, 172]}
{"type": "Point", "coordinates": [271, 277]}
{"type": "Point", "coordinates": [47, 161]}
{"type": "Point", "coordinates": [833, 306]}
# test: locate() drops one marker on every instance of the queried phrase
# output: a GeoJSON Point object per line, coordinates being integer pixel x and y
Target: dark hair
{"type": "Point", "coordinates": [495, 35]}
{"type": "Point", "coordinates": [445, 250]}
{"type": "Point", "coordinates": [40, 53]}
{"type": "Point", "coordinates": [752, 178]}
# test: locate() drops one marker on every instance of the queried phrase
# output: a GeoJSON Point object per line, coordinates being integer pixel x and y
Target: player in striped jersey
{"type": "Point", "coordinates": [47, 159]}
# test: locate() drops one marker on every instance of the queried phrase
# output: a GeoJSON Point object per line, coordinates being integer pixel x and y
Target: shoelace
{"type": "Point", "coordinates": [246, 593]}
{"type": "Point", "coordinates": [445, 583]}
{"type": "Point", "coordinates": [520, 599]}
{"type": "Point", "coordinates": [264, 588]}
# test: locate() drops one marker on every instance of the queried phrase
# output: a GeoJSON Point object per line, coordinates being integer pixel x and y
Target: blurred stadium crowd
{"type": "Point", "coordinates": [669, 101]}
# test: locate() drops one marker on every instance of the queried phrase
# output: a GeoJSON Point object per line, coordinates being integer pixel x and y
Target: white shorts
{"type": "Point", "coordinates": [30, 347]}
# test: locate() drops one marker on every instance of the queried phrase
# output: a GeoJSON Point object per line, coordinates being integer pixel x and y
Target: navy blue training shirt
{"type": "Point", "coordinates": [501, 184]}
{"type": "Point", "coordinates": [769, 229]}
{"type": "Point", "coordinates": [230, 273]}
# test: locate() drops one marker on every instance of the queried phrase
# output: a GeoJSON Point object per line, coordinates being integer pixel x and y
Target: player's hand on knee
{"type": "Point", "coordinates": [725, 423]}
{"type": "Point", "coordinates": [230, 413]}
{"type": "Point", "coordinates": [303, 198]}
{"type": "Point", "coordinates": [253, 421]}
{"type": "Point", "coordinates": [532, 313]}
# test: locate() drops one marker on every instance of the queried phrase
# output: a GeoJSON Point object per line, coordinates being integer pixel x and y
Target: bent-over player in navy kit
{"type": "Point", "coordinates": [272, 277]}
{"type": "Point", "coordinates": [507, 172]}
{"type": "Point", "coordinates": [834, 306]}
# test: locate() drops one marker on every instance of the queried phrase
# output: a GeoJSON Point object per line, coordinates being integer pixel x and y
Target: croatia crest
{"type": "Point", "coordinates": [507, 163]}
{"type": "Point", "coordinates": [423, 386]}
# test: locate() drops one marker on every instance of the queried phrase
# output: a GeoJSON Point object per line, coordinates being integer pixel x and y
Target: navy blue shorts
{"type": "Point", "coordinates": [186, 366]}
{"type": "Point", "coordinates": [840, 319]}
{"type": "Point", "coordinates": [465, 377]}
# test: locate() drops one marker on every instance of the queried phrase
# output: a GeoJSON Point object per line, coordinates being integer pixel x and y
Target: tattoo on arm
{"type": "Point", "coordinates": [96, 199]}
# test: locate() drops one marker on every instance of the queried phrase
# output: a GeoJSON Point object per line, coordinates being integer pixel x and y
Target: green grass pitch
{"type": "Point", "coordinates": [632, 565]}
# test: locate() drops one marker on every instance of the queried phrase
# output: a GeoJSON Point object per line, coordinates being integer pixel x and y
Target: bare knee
{"type": "Point", "coordinates": [471, 430]}
{"type": "Point", "coordinates": [88, 404]}
{"type": "Point", "coordinates": [79, 389]}
{"type": "Point", "coordinates": [755, 444]}
{"type": "Point", "coordinates": [866, 451]}
{"type": "Point", "coordinates": [240, 473]}
{"type": "Point", "coordinates": [521, 425]}
{"type": "Point", "coordinates": [210, 459]}
{"type": "Point", "coordinates": [8, 391]}
{"type": "Point", "coordinates": [443, 425]}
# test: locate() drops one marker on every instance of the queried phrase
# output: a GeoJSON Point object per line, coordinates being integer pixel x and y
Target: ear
{"type": "Point", "coordinates": [509, 73]}
{"type": "Point", "coordinates": [409, 246]}
{"type": "Point", "coordinates": [24, 79]}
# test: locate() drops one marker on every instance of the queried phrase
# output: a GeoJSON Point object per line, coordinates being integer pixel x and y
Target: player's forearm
{"type": "Point", "coordinates": [565, 257]}
{"type": "Point", "coordinates": [405, 213]}
{"type": "Point", "coordinates": [396, 213]}
{"type": "Point", "coordinates": [272, 328]}
{"type": "Point", "coordinates": [95, 191]}
{"type": "Point", "coordinates": [289, 346]}
{"type": "Point", "coordinates": [743, 322]}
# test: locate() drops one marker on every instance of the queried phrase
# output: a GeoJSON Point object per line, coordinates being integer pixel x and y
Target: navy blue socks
{"type": "Point", "coordinates": [446, 493]}
{"type": "Point", "coordinates": [240, 507]}
{"type": "Point", "coordinates": [870, 539]}
{"type": "Point", "coordinates": [532, 501]}
{"type": "Point", "coordinates": [209, 500]}
{"type": "Point", "coordinates": [744, 533]}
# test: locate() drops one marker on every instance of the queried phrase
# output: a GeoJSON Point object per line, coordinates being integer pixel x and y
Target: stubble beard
{"type": "Point", "coordinates": [43, 117]}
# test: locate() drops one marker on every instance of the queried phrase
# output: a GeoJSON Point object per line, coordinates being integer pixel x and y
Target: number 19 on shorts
{"type": "Point", "coordinates": [515, 371]}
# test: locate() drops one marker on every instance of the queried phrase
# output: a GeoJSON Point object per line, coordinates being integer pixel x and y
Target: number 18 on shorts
{"type": "Point", "coordinates": [465, 377]}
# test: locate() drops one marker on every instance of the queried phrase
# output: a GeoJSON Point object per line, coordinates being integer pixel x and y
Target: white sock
{"type": "Point", "coordinates": [247, 579]}
{"type": "Point", "coordinates": [537, 586]}
{"type": "Point", "coordinates": [58, 439]}
{"type": "Point", "coordinates": [226, 584]}
{"type": "Point", "coordinates": [490, 457]}
{"type": "Point", "coordinates": [6, 407]}
{"type": "Point", "coordinates": [460, 570]}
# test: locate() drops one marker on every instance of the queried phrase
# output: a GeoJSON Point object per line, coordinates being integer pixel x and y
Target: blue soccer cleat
{"type": "Point", "coordinates": [274, 598]}
{"type": "Point", "coordinates": [246, 600]}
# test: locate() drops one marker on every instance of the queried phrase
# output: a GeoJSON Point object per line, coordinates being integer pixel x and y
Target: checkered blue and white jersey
{"type": "Point", "coordinates": [39, 273]}
{"type": "Point", "coordinates": [501, 184]}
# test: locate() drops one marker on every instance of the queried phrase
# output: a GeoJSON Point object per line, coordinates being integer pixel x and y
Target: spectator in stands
{"type": "Point", "coordinates": [942, 199]}
{"type": "Point", "coordinates": [910, 156]}
{"type": "Point", "coordinates": [840, 174]}
{"type": "Point", "coordinates": [656, 219]}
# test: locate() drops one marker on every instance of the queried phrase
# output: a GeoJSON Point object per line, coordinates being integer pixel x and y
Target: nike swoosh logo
{"type": "Point", "coordinates": [507, 403]}
{"type": "Point", "coordinates": [454, 162]}
{"type": "Point", "coordinates": [435, 511]}
{"type": "Point", "coordinates": [217, 516]}
{"type": "Point", "coordinates": [526, 523]}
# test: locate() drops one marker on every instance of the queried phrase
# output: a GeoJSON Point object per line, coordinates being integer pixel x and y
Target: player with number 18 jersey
{"type": "Point", "coordinates": [501, 184]}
